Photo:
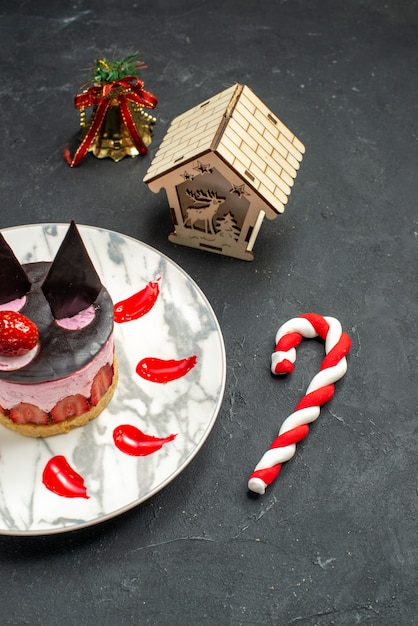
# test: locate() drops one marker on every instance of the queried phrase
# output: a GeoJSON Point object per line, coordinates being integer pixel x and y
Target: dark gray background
{"type": "Point", "coordinates": [333, 541]}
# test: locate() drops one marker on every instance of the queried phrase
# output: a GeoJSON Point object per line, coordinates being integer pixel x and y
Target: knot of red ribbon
{"type": "Point", "coordinates": [123, 91]}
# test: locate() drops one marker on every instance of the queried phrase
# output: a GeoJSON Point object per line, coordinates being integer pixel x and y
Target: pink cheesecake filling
{"type": "Point", "coordinates": [10, 363]}
{"type": "Point", "coordinates": [14, 305]}
{"type": "Point", "coordinates": [79, 321]}
{"type": "Point", "coordinates": [46, 395]}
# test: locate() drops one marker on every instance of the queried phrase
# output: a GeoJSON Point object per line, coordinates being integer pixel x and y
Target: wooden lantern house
{"type": "Point", "coordinates": [225, 165]}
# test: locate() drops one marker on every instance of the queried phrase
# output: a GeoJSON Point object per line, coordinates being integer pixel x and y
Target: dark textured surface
{"type": "Point", "coordinates": [333, 541]}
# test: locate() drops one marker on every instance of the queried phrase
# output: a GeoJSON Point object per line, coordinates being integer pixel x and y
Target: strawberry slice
{"type": "Point", "coordinates": [101, 383]}
{"type": "Point", "coordinates": [26, 413]}
{"type": "Point", "coordinates": [18, 334]}
{"type": "Point", "coordinates": [70, 406]}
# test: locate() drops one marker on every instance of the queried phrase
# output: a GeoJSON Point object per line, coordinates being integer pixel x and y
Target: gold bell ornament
{"type": "Point", "coordinates": [119, 126]}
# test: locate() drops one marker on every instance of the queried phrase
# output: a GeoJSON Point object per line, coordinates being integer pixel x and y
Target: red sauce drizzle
{"type": "Point", "coordinates": [163, 371]}
{"type": "Point", "coordinates": [58, 475]}
{"type": "Point", "coordinates": [60, 478]}
{"type": "Point", "coordinates": [137, 305]}
{"type": "Point", "coordinates": [132, 441]}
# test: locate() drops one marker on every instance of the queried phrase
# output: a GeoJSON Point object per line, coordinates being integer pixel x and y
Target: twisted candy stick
{"type": "Point", "coordinates": [333, 367]}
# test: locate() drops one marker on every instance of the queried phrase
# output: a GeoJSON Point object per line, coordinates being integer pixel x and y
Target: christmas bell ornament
{"type": "Point", "coordinates": [118, 126]}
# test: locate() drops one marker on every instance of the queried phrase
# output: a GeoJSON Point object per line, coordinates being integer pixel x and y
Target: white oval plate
{"type": "Point", "coordinates": [181, 324]}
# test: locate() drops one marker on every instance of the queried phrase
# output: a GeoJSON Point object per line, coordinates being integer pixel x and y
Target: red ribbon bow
{"type": "Point", "coordinates": [128, 89]}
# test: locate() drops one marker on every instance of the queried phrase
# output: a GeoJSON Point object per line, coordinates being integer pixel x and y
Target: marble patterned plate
{"type": "Point", "coordinates": [180, 324]}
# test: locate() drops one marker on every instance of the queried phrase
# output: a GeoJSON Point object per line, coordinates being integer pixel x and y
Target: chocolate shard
{"type": "Point", "coordinates": [14, 282]}
{"type": "Point", "coordinates": [72, 283]}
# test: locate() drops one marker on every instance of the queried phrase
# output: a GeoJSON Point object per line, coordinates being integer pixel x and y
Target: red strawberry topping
{"type": "Point", "coordinates": [18, 334]}
{"type": "Point", "coordinates": [101, 383]}
{"type": "Point", "coordinates": [26, 413]}
{"type": "Point", "coordinates": [69, 407]}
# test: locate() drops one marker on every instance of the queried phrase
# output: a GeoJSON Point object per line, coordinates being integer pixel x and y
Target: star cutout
{"type": "Point", "coordinates": [203, 168]}
{"type": "Point", "coordinates": [187, 176]}
{"type": "Point", "coordinates": [239, 190]}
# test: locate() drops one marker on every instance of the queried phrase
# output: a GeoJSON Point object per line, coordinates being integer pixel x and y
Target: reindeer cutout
{"type": "Point", "coordinates": [206, 204]}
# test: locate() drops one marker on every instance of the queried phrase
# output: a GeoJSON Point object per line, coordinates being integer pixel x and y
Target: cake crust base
{"type": "Point", "coordinates": [61, 428]}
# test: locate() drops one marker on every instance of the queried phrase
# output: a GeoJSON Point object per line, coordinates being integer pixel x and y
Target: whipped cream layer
{"type": "Point", "coordinates": [46, 395]}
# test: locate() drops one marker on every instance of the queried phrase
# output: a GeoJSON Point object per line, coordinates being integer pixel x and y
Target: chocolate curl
{"type": "Point", "coordinates": [129, 89]}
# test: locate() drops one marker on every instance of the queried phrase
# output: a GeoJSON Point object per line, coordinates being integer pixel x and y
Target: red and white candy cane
{"type": "Point", "coordinates": [333, 367]}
